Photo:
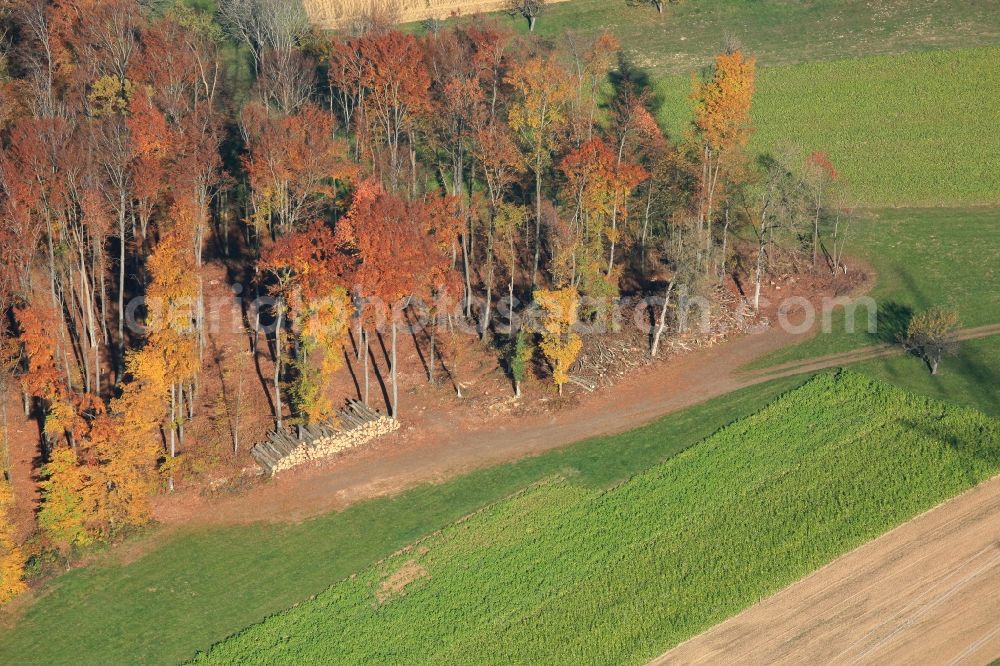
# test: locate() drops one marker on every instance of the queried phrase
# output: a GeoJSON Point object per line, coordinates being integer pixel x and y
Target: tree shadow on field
{"type": "Point", "coordinates": [971, 364]}
{"type": "Point", "coordinates": [974, 453]}
{"type": "Point", "coordinates": [629, 75]}
{"type": "Point", "coordinates": [892, 321]}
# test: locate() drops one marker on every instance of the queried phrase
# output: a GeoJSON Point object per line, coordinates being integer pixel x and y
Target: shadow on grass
{"type": "Point", "coordinates": [630, 76]}
{"type": "Point", "coordinates": [892, 321]}
{"type": "Point", "coordinates": [971, 363]}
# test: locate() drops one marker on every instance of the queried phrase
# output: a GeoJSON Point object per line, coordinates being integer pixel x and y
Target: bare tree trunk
{"type": "Point", "coordinates": [277, 370]}
{"type": "Point", "coordinates": [468, 279]}
{"type": "Point", "coordinates": [121, 280]}
{"type": "Point", "coordinates": [759, 271]}
{"type": "Point", "coordinates": [180, 415]}
{"type": "Point", "coordinates": [485, 325]}
{"type": "Point", "coordinates": [239, 404]}
{"type": "Point", "coordinates": [538, 217]}
{"type": "Point", "coordinates": [430, 364]}
{"type": "Point", "coordinates": [395, 386]}
{"type": "Point", "coordinates": [725, 243]}
{"type": "Point", "coordinates": [662, 323]}
{"type": "Point", "coordinates": [815, 237]}
{"type": "Point", "coordinates": [173, 443]}
{"type": "Point", "coordinates": [645, 226]}
{"type": "Point", "coordinates": [510, 305]}
{"type": "Point", "coordinates": [359, 335]}
{"type": "Point", "coordinates": [364, 334]}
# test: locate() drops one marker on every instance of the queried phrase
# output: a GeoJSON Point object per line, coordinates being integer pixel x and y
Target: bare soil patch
{"type": "Point", "coordinates": [397, 582]}
{"type": "Point", "coordinates": [927, 592]}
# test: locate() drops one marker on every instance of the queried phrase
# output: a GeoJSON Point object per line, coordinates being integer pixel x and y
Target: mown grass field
{"type": "Point", "coordinates": [948, 257]}
{"type": "Point", "coordinates": [970, 378]}
{"type": "Point", "coordinates": [184, 591]}
{"type": "Point", "coordinates": [917, 129]}
{"type": "Point", "coordinates": [564, 573]}
{"type": "Point", "coordinates": [779, 32]}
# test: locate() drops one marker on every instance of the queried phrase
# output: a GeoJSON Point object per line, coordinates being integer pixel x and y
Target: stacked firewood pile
{"type": "Point", "coordinates": [355, 425]}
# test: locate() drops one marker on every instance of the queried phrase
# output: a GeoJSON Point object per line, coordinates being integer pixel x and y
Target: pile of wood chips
{"type": "Point", "coordinates": [607, 358]}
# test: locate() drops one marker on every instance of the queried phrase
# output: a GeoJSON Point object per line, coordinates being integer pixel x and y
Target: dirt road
{"type": "Point", "coordinates": [439, 448]}
{"type": "Point", "coordinates": [927, 592]}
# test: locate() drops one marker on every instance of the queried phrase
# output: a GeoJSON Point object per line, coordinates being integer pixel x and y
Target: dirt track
{"type": "Point", "coordinates": [927, 592]}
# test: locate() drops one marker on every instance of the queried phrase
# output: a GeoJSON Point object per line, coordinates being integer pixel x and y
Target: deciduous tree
{"type": "Point", "coordinates": [560, 343]}
{"type": "Point", "coordinates": [541, 91]}
{"type": "Point", "coordinates": [931, 335]}
{"type": "Point", "coordinates": [722, 129]}
{"type": "Point", "coordinates": [12, 559]}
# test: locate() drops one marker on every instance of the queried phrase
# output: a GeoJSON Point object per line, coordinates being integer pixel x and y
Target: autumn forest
{"type": "Point", "coordinates": [503, 190]}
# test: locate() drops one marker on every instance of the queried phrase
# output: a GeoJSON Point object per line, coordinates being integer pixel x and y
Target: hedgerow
{"type": "Point", "coordinates": [565, 574]}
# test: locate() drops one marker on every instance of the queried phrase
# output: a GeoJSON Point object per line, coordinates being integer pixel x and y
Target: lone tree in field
{"type": "Point", "coordinates": [931, 335]}
{"type": "Point", "coordinates": [645, 3]}
{"type": "Point", "coordinates": [529, 9]}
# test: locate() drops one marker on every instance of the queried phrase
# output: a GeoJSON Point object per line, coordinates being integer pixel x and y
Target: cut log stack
{"type": "Point", "coordinates": [356, 424]}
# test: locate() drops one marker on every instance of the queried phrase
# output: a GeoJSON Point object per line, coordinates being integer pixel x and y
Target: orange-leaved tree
{"type": "Point", "coordinates": [43, 379]}
{"type": "Point", "coordinates": [500, 161]}
{"type": "Point", "coordinates": [292, 164]}
{"type": "Point", "coordinates": [395, 81]}
{"type": "Point", "coordinates": [722, 129]}
{"type": "Point", "coordinates": [312, 269]}
{"type": "Point", "coordinates": [599, 183]}
{"type": "Point", "coordinates": [394, 239]}
{"type": "Point", "coordinates": [71, 496]}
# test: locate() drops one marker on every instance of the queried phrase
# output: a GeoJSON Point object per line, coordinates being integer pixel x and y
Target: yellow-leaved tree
{"type": "Point", "coordinates": [128, 442]}
{"type": "Point", "coordinates": [11, 555]}
{"type": "Point", "coordinates": [542, 88]}
{"type": "Point", "coordinates": [560, 344]}
{"type": "Point", "coordinates": [323, 323]}
{"type": "Point", "coordinates": [171, 353]}
{"type": "Point", "coordinates": [64, 513]}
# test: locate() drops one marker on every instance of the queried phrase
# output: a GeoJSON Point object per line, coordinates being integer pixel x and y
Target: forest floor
{"type": "Point", "coordinates": [443, 436]}
{"type": "Point", "coordinates": [444, 448]}
{"type": "Point", "coordinates": [440, 441]}
{"type": "Point", "coordinates": [926, 592]}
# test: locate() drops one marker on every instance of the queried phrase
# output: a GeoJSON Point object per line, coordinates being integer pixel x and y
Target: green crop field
{"type": "Point", "coordinates": [917, 129]}
{"type": "Point", "coordinates": [563, 573]}
{"type": "Point", "coordinates": [188, 589]}
{"type": "Point", "coordinates": [948, 257]}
